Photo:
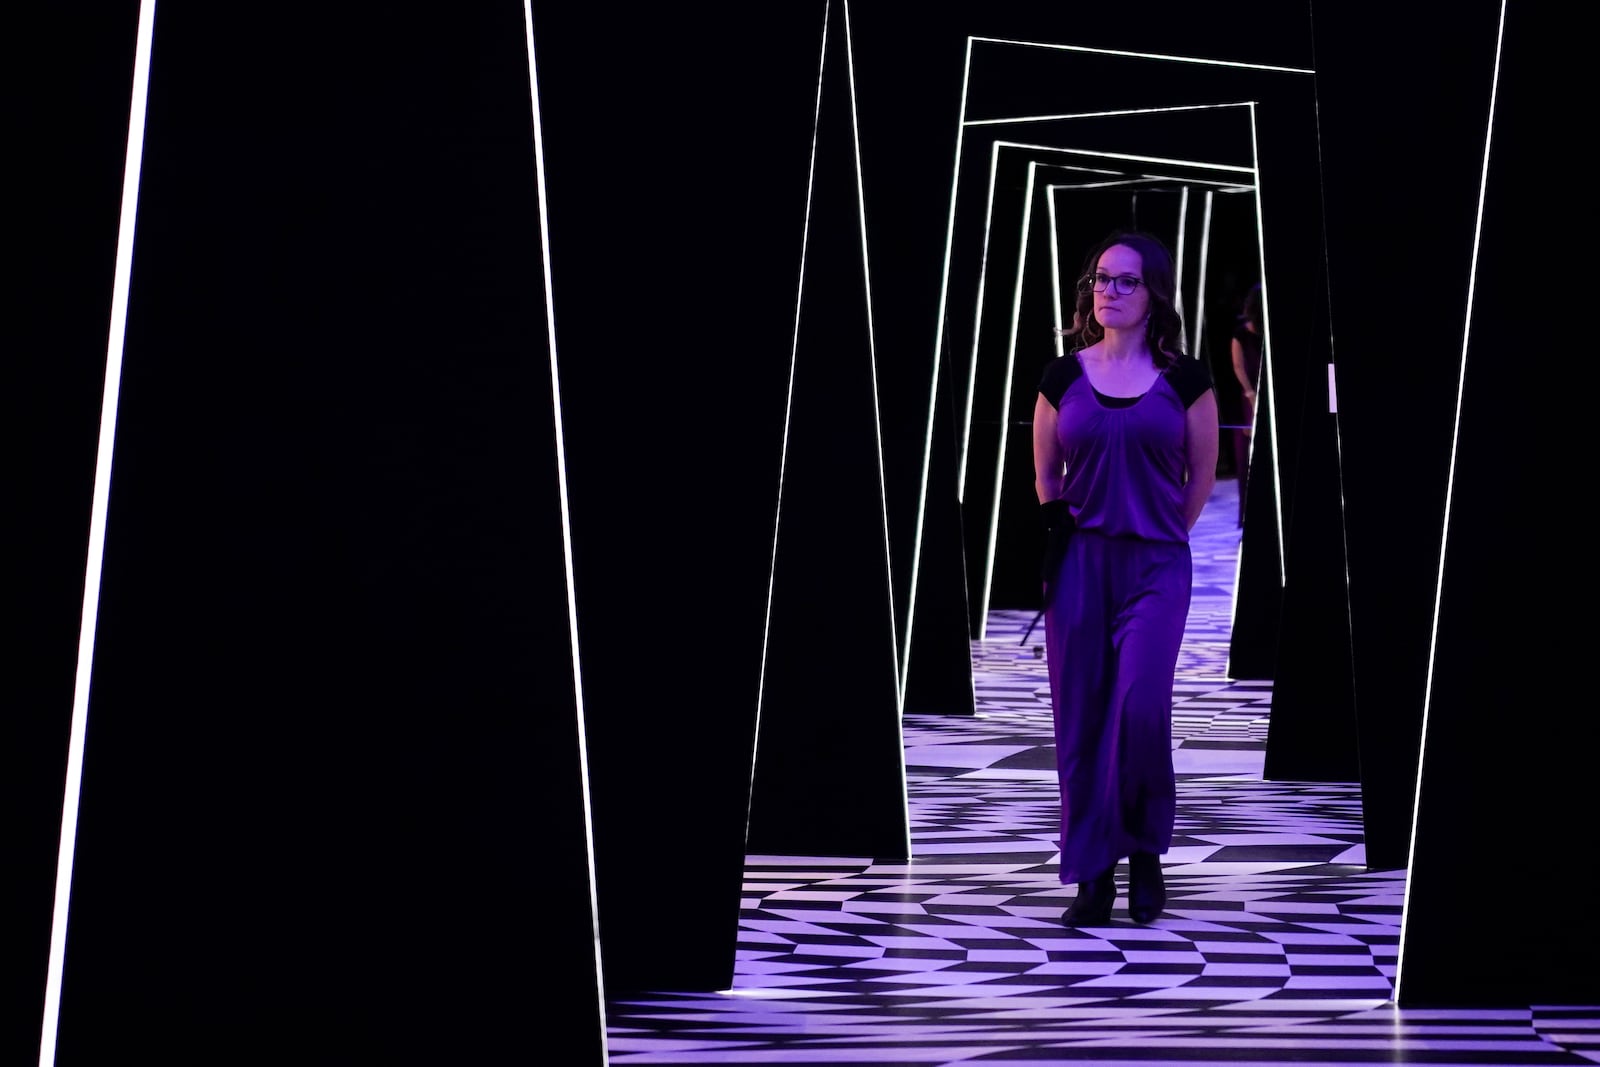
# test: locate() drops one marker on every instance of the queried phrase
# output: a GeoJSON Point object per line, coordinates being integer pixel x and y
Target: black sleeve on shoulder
{"type": "Point", "coordinates": [1191, 378]}
{"type": "Point", "coordinates": [1058, 374]}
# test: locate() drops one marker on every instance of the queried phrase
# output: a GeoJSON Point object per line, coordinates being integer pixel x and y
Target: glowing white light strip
{"type": "Point", "coordinates": [1205, 243]}
{"type": "Point", "coordinates": [1205, 255]}
{"type": "Point", "coordinates": [933, 391]}
{"type": "Point", "coordinates": [1271, 404]}
{"type": "Point", "coordinates": [788, 408]}
{"type": "Point", "coordinates": [1449, 493]}
{"type": "Point", "coordinates": [944, 292]}
{"type": "Point", "coordinates": [963, 447]}
{"type": "Point", "coordinates": [1243, 476]}
{"type": "Point", "coordinates": [1055, 266]}
{"type": "Point", "coordinates": [566, 523]}
{"type": "Point", "coordinates": [1005, 403]}
{"type": "Point", "coordinates": [1096, 114]}
{"type": "Point", "coordinates": [1162, 160]}
{"type": "Point", "coordinates": [1181, 252]}
{"type": "Point", "coordinates": [877, 425]}
{"type": "Point", "coordinates": [977, 326]}
{"type": "Point", "coordinates": [1011, 352]}
{"type": "Point", "coordinates": [1142, 55]}
{"type": "Point", "coordinates": [872, 346]}
{"type": "Point", "coordinates": [1011, 355]}
{"type": "Point", "coordinates": [1078, 169]}
{"type": "Point", "coordinates": [105, 450]}
{"type": "Point", "coordinates": [1154, 183]}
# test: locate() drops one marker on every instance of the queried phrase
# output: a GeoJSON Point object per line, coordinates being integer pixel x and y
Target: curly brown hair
{"type": "Point", "coordinates": [1155, 262]}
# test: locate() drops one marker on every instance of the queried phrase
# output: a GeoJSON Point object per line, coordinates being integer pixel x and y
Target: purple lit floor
{"type": "Point", "coordinates": [1277, 945]}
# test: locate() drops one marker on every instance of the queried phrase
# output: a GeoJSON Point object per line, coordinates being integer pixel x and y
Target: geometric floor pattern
{"type": "Point", "coordinates": [1277, 944]}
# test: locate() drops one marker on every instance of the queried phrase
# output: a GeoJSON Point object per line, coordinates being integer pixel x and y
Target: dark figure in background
{"type": "Point", "coordinates": [1125, 443]}
{"type": "Point", "coordinates": [1246, 345]}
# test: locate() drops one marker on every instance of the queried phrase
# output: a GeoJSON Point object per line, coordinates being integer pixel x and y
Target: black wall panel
{"type": "Point", "coordinates": [911, 75]}
{"type": "Point", "coordinates": [333, 697]}
{"type": "Point", "coordinates": [1398, 178]}
{"type": "Point", "coordinates": [829, 750]}
{"type": "Point", "coordinates": [907, 90]}
{"type": "Point", "coordinates": [333, 789]}
{"type": "Point", "coordinates": [677, 151]}
{"type": "Point", "coordinates": [1505, 802]}
{"type": "Point", "coordinates": [1282, 142]}
{"type": "Point", "coordinates": [1313, 733]}
{"type": "Point", "coordinates": [67, 123]}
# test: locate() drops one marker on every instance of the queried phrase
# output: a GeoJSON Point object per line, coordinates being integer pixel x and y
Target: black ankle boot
{"type": "Point", "coordinates": [1147, 893]}
{"type": "Point", "coordinates": [1092, 905]}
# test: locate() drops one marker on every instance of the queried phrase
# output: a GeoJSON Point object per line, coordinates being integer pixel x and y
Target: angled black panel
{"type": "Point", "coordinates": [1285, 137]}
{"type": "Point", "coordinates": [910, 81]}
{"type": "Point", "coordinates": [1312, 736]}
{"type": "Point", "coordinates": [334, 696]}
{"type": "Point", "coordinates": [69, 129]}
{"type": "Point", "coordinates": [1258, 590]}
{"type": "Point", "coordinates": [939, 675]}
{"type": "Point", "coordinates": [829, 770]}
{"type": "Point", "coordinates": [1505, 751]}
{"type": "Point", "coordinates": [1398, 415]}
{"type": "Point", "coordinates": [676, 235]}
{"type": "Point", "coordinates": [908, 94]}
{"type": "Point", "coordinates": [1086, 213]}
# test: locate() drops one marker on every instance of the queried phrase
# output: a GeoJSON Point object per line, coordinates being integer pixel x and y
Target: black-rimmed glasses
{"type": "Point", "coordinates": [1123, 284]}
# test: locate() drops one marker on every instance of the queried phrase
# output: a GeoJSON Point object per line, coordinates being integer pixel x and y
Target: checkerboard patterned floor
{"type": "Point", "coordinates": [1277, 945]}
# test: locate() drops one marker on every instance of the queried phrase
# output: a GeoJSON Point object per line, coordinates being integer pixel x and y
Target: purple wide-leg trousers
{"type": "Point", "coordinates": [1113, 628]}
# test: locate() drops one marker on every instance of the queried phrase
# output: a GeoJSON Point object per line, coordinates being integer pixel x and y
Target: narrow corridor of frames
{"type": "Point", "coordinates": [1277, 945]}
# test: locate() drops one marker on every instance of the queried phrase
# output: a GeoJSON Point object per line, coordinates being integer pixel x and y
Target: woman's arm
{"type": "Point", "coordinates": [1048, 464]}
{"type": "Point", "coordinates": [1200, 442]}
{"type": "Point", "coordinates": [1242, 372]}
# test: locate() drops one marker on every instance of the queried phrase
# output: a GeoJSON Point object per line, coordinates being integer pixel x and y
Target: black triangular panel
{"type": "Point", "coordinates": [828, 769]}
{"type": "Point", "coordinates": [939, 679]}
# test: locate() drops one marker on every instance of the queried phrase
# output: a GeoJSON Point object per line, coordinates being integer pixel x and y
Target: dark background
{"type": "Point", "coordinates": [422, 670]}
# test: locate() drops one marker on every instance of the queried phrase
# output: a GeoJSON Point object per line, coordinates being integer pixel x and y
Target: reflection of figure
{"type": "Point", "coordinates": [1125, 454]}
{"type": "Point", "coordinates": [1246, 347]}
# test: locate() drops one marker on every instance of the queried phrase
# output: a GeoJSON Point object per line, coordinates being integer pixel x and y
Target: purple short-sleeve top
{"type": "Point", "coordinates": [1125, 456]}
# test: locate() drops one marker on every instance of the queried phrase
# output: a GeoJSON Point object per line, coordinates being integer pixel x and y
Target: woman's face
{"type": "Point", "coordinates": [1114, 310]}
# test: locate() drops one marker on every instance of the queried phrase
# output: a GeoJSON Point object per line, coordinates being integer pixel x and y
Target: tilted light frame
{"type": "Point", "coordinates": [962, 123]}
